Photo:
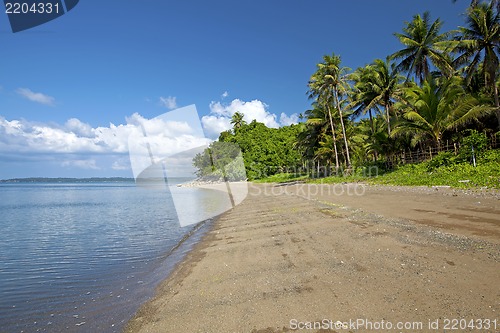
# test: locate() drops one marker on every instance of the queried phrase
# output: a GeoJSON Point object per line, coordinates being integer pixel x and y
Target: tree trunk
{"type": "Point", "coordinates": [372, 126]}
{"type": "Point", "coordinates": [388, 116]}
{"type": "Point", "coordinates": [371, 122]}
{"type": "Point", "coordinates": [497, 104]}
{"type": "Point", "coordinates": [334, 139]}
{"type": "Point", "coordinates": [343, 130]}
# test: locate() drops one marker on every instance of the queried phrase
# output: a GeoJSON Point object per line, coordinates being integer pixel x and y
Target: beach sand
{"type": "Point", "coordinates": [313, 255]}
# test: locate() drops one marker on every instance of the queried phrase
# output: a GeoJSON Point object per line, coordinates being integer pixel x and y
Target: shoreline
{"type": "Point", "coordinates": [259, 262]}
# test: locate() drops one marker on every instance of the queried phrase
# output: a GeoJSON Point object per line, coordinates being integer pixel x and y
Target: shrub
{"type": "Point", "coordinates": [474, 142]}
{"type": "Point", "coordinates": [440, 160]}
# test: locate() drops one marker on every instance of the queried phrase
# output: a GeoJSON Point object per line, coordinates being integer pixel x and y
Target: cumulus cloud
{"type": "Point", "coordinates": [169, 102]}
{"type": "Point", "coordinates": [36, 96]}
{"type": "Point", "coordinates": [76, 144]}
{"type": "Point", "coordinates": [79, 128]}
{"type": "Point", "coordinates": [214, 125]}
{"type": "Point", "coordinates": [80, 145]}
{"type": "Point", "coordinates": [224, 94]}
{"type": "Point", "coordinates": [165, 137]}
{"type": "Point", "coordinates": [251, 110]}
{"type": "Point", "coordinates": [286, 120]}
{"type": "Point", "coordinates": [220, 115]}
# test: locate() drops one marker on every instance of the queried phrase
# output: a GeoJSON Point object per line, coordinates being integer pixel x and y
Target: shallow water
{"type": "Point", "coordinates": [82, 257]}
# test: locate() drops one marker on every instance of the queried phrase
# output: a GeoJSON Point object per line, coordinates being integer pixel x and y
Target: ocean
{"type": "Point", "coordinates": [82, 257]}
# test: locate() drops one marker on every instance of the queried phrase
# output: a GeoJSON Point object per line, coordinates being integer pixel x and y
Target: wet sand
{"type": "Point", "coordinates": [311, 256]}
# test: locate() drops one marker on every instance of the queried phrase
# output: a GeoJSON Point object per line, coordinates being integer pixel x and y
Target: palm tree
{"type": "Point", "coordinates": [370, 139]}
{"type": "Point", "coordinates": [436, 107]}
{"type": "Point", "coordinates": [329, 84]}
{"type": "Point", "coordinates": [361, 94]}
{"type": "Point", "coordinates": [377, 85]}
{"type": "Point", "coordinates": [479, 47]}
{"type": "Point", "coordinates": [237, 120]}
{"type": "Point", "coordinates": [423, 46]}
{"type": "Point", "coordinates": [318, 119]}
{"type": "Point", "coordinates": [324, 152]}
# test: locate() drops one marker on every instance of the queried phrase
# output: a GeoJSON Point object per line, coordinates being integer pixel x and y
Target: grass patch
{"type": "Point", "coordinates": [461, 175]}
{"type": "Point", "coordinates": [450, 172]}
{"type": "Point", "coordinates": [443, 170]}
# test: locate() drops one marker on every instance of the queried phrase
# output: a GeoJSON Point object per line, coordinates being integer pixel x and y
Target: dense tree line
{"type": "Point", "coordinates": [438, 85]}
{"type": "Point", "coordinates": [265, 151]}
{"type": "Point", "coordinates": [435, 89]}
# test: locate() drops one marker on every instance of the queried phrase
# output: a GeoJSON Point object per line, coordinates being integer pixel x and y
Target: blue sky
{"type": "Point", "coordinates": [70, 85]}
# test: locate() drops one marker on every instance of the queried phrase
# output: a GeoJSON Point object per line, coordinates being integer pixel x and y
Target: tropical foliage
{"type": "Point", "coordinates": [423, 45]}
{"type": "Point", "coordinates": [435, 107]}
{"type": "Point", "coordinates": [429, 92]}
{"type": "Point", "coordinates": [440, 87]}
{"type": "Point", "coordinates": [265, 151]}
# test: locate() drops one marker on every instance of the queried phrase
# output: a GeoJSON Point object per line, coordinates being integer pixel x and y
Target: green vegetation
{"type": "Point", "coordinates": [266, 151]}
{"type": "Point", "coordinates": [443, 170]}
{"type": "Point", "coordinates": [435, 101]}
{"type": "Point", "coordinates": [448, 171]}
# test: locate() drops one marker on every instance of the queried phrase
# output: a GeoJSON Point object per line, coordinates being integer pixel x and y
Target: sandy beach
{"type": "Point", "coordinates": [339, 258]}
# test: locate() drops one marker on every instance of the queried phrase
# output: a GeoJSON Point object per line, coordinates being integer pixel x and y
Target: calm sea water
{"type": "Point", "coordinates": [83, 257]}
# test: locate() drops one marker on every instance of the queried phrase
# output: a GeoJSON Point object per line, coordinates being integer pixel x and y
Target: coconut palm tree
{"type": "Point", "coordinates": [479, 46]}
{"type": "Point", "coordinates": [324, 153]}
{"type": "Point", "coordinates": [361, 95]}
{"type": "Point", "coordinates": [436, 107]}
{"type": "Point", "coordinates": [318, 120]}
{"type": "Point", "coordinates": [237, 120]}
{"type": "Point", "coordinates": [377, 85]}
{"type": "Point", "coordinates": [369, 141]}
{"type": "Point", "coordinates": [423, 45]}
{"type": "Point", "coordinates": [329, 84]}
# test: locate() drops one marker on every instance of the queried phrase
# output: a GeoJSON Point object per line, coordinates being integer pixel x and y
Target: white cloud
{"type": "Point", "coordinates": [77, 137]}
{"type": "Point", "coordinates": [286, 120]}
{"type": "Point", "coordinates": [214, 125]}
{"type": "Point", "coordinates": [76, 144]}
{"type": "Point", "coordinates": [81, 145]}
{"type": "Point", "coordinates": [81, 129]}
{"type": "Point", "coordinates": [251, 110]}
{"type": "Point", "coordinates": [157, 126]}
{"type": "Point", "coordinates": [164, 137]}
{"type": "Point", "coordinates": [36, 97]}
{"type": "Point", "coordinates": [169, 102]}
{"type": "Point", "coordinates": [224, 94]}
{"type": "Point", "coordinates": [220, 115]}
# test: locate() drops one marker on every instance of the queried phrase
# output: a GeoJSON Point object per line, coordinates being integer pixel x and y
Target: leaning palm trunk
{"type": "Point", "coordinates": [343, 130]}
{"type": "Point", "coordinates": [388, 115]}
{"type": "Point", "coordinates": [497, 105]}
{"type": "Point", "coordinates": [334, 139]}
